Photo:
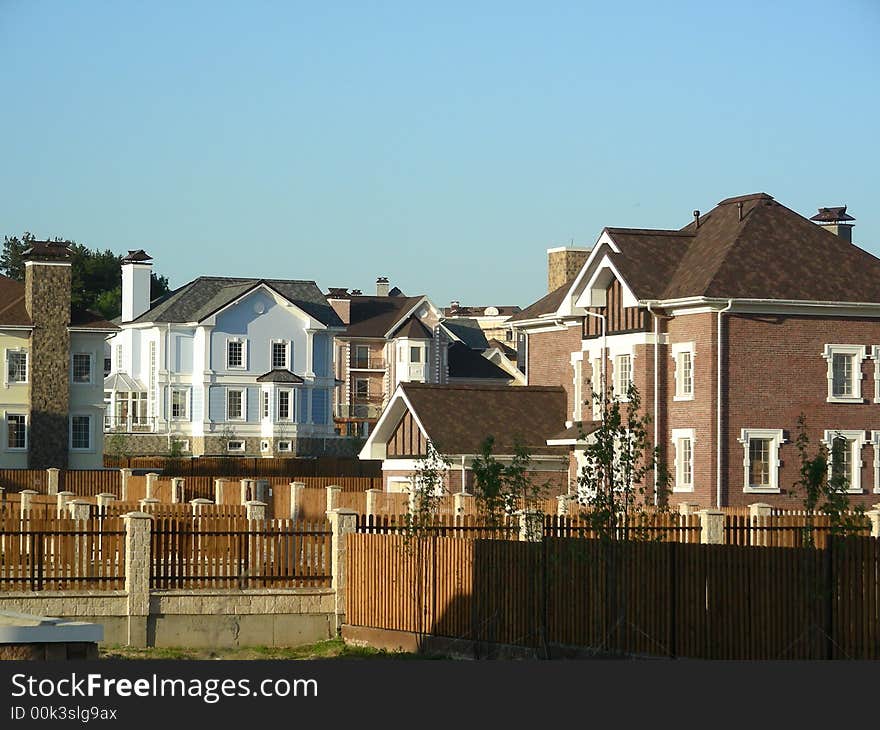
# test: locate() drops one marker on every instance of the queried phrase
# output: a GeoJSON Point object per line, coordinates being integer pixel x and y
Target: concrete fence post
{"type": "Point", "coordinates": [148, 504]}
{"type": "Point", "coordinates": [462, 502]}
{"type": "Point", "coordinates": [62, 498]}
{"type": "Point", "coordinates": [246, 491]}
{"type": "Point", "coordinates": [260, 491]}
{"type": "Point", "coordinates": [874, 516]}
{"type": "Point", "coordinates": [688, 508]}
{"type": "Point", "coordinates": [152, 483]}
{"type": "Point", "coordinates": [124, 476]}
{"type": "Point", "coordinates": [52, 487]}
{"type": "Point", "coordinates": [342, 522]}
{"type": "Point", "coordinates": [198, 505]}
{"type": "Point", "coordinates": [563, 502]}
{"type": "Point", "coordinates": [79, 510]}
{"type": "Point", "coordinates": [177, 490]}
{"type": "Point", "coordinates": [759, 509]}
{"type": "Point", "coordinates": [296, 500]}
{"type": "Point", "coordinates": [333, 492]}
{"type": "Point", "coordinates": [711, 527]}
{"type": "Point", "coordinates": [255, 510]}
{"type": "Point", "coordinates": [27, 496]}
{"type": "Point", "coordinates": [531, 526]}
{"type": "Point", "coordinates": [372, 501]}
{"type": "Point", "coordinates": [137, 575]}
{"type": "Point", "coordinates": [103, 500]}
{"type": "Point", "coordinates": [218, 491]}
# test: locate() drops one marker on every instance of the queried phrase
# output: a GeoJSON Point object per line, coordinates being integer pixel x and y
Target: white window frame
{"type": "Point", "coordinates": [185, 416]}
{"type": "Point", "coordinates": [875, 440]}
{"type": "Point", "coordinates": [119, 356]}
{"type": "Point", "coordinates": [265, 446]}
{"type": "Point", "coordinates": [244, 353]}
{"type": "Point", "coordinates": [596, 388]}
{"type": "Point", "coordinates": [577, 364]}
{"type": "Point", "coordinates": [243, 416]}
{"type": "Point", "coordinates": [859, 354]}
{"type": "Point", "coordinates": [286, 345]}
{"type": "Point", "coordinates": [27, 432]}
{"type": "Point", "coordinates": [265, 404]}
{"type": "Point", "coordinates": [361, 380]}
{"type": "Point", "coordinates": [621, 393]}
{"type": "Point", "coordinates": [679, 435]}
{"type": "Point", "coordinates": [291, 405]}
{"type": "Point", "coordinates": [284, 446]}
{"type": "Point", "coordinates": [237, 449]}
{"type": "Point", "coordinates": [856, 440]}
{"type": "Point", "coordinates": [357, 348]}
{"type": "Point", "coordinates": [91, 380]}
{"type": "Point", "coordinates": [776, 437]}
{"type": "Point", "coordinates": [81, 449]}
{"type": "Point", "coordinates": [679, 349]}
{"type": "Point", "coordinates": [27, 366]}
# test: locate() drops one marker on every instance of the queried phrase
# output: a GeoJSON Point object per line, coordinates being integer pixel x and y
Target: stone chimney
{"type": "Point", "coordinates": [835, 220]}
{"type": "Point", "coordinates": [340, 300]}
{"type": "Point", "coordinates": [136, 270]}
{"type": "Point", "coordinates": [382, 286]}
{"type": "Point", "coordinates": [563, 264]}
{"type": "Point", "coordinates": [47, 300]}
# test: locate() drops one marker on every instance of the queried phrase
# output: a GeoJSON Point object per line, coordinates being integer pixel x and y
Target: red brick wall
{"type": "Point", "coordinates": [556, 481]}
{"type": "Point", "coordinates": [550, 361]}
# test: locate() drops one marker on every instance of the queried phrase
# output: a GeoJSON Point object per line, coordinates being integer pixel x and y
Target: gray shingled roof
{"type": "Point", "coordinates": [468, 331]}
{"type": "Point", "coordinates": [202, 297]}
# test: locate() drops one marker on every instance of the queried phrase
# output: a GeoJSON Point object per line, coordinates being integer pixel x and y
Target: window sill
{"type": "Point", "coordinates": [762, 490]}
{"type": "Point", "coordinates": [841, 399]}
{"type": "Point", "coordinates": [677, 490]}
{"type": "Point", "coordinates": [678, 398]}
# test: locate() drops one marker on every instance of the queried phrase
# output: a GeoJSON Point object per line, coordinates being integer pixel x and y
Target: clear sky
{"type": "Point", "coordinates": [445, 145]}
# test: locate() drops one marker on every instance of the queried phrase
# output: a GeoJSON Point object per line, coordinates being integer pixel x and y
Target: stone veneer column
{"type": "Point", "coordinates": [79, 510]}
{"type": "Point", "coordinates": [103, 500]}
{"type": "Point", "coordinates": [296, 500]}
{"type": "Point", "coordinates": [152, 483]}
{"type": "Point", "coordinates": [26, 496]}
{"type": "Point", "coordinates": [342, 522]}
{"type": "Point", "coordinates": [688, 508]}
{"type": "Point", "coordinates": [218, 490]}
{"type": "Point", "coordinates": [52, 487]}
{"type": "Point", "coordinates": [247, 491]}
{"type": "Point", "coordinates": [198, 505]}
{"type": "Point", "coordinates": [371, 499]}
{"type": "Point", "coordinates": [531, 526]}
{"type": "Point", "coordinates": [148, 504]}
{"type": "Point", "coordinates": [47, 301]}
{"type": "Point", "coordinates": [177, 490]}
{"type": "Point", "coordinates": [124, 476]}
{"type": "Point", "coordinates": [562, 504]}
{"type": "Point", "coordinates": [255, 511]}
{"type": "Point", "coordinates": [61, 505]}
{"type": "Point", "coordinates": [137, 575]}
{"type": "Point", "coordinates": [711, 527]}
{"type": "Point", "coordinates": [461, 501]}
{"type": "Point", "coordinates": [874, 516]}
{"type": "Point", "coordinates": [333, 492]}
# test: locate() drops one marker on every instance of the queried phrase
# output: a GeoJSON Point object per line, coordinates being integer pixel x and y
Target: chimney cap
{"type": "Point", "coordinates": [356, 293]}
{"type": "Point", "coordinates": [137, 257]}
{"type": "Point", "coordinates": [47, 250]}
{"type": "Point", "coordinates": [338, 292]}
{"type": "Point", "coordinates": [835, 214]}
{"type": "Point", "coordinates": [382, 280]}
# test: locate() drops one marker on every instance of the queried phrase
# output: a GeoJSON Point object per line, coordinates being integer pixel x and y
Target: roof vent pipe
{"type": "Point", "coordinates": [697, 218]}
{"type": "Point", "coordinates": [739, 209]}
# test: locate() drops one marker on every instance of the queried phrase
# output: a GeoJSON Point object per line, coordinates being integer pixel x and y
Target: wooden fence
{"type": "Point", "coordinates": [62, 554]}
{"type": "Point", "coordinates": [786, 530]}
{"type": "Point", "coordinates": [246, 466]}
{"type": "Point", "coordinates": [233, 553]}
{"type": "Point", "coordinates": [659, 526]}
{"type": "Point", "coordinates": [656, 598]}
{"type": "Point", "coordinates": [462, 526]}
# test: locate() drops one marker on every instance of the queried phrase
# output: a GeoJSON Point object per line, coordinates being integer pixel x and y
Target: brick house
{"type": "Point", "coordinates": [52, 396]}
{"type": "Point", "coordinates": [730, 328]}
{"type": "Point", "coordinates": [455, 419]}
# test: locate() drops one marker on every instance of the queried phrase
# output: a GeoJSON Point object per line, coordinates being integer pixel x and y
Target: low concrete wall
{"type": "Point", "coordinates": [108, 608]}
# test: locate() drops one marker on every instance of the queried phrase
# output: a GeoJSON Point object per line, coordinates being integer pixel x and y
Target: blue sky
{"type": "Point", "coordinates": [444, 145]}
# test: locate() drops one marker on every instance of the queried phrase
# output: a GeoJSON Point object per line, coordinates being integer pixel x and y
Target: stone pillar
{"type": "Point", "coordinates": [372, 499]}
{"type": "Point", "coordinates": [711, 527]}
{"type": "Point", "coordinates": [218, 490]}
{"type": "Point", "coordinates": [79, 510]}
{"type": "Point", "coordinates": [26, 500]}
{"type": "Point", "coordinates": [874, 516]}
{"type": "Point", "coordinates": [137, 575]}
{"type": "Point", "coordinates": [255, 510]}
{"type": "Point", "coordinates": [759, 509]}
{"type": "Point", "coordinates": [198, 505]}
{"type": "Point", "coordinates": [333, 492]}
{"type": "Point", "coordinates": [531, 526]}
{"type": "Point", "coordinates": [247, 491]}
{"type": "Point", "coordinates": [296, 500]}
{"type": "Point", "coordinates": [342, 522]}
{"type": "Point", "coordinates": [152, 483]}
{"type": "Point", "coordinates": [148, 504]}
{"type": "Point", "coordinates": [461, 501]}
{"type": "Point", "coordinates": [177, 493]}
{"type": "Point", "coordinates": [260, 491]}
{"type": "Point", "coordinates": [103, 500]}
{"type": "Point", "coordinates": [124, 476]}
{"type": "Point", "coordinates": [61, 505]}
{"type": "Point", "coordinates": [688, 508]}
{"type": "Point", "coordinates": [562, 504]}
{"type": "Point", "coordinates": [52, 487]}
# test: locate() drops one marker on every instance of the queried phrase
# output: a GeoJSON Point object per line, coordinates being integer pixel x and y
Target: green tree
{"type": "Point", "coordinates": [11, 260]}
{"type": "Point", "coordinates": [428, 488]}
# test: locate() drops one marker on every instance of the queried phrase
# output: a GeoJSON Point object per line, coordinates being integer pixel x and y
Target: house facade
{"type": "Point", "coordinates": [52, 395]}
{"type": "Point", "coordinates": [222, 366]}
{"type": "Point", "coordinates": [731, 328]}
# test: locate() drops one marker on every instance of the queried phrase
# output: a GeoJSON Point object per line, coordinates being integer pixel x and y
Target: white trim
{"type": "Point", "coordinates": [80, 450]}
{"type": "Point", "coordinates": [860, 354]}
{"type": "Point", "coordinates": [244, 353]}
{"type": "Point", "coordinates": [678, 349]}
{"type": "Point", "coordinates": [27, 432]}
{"type": "Point", "coordinates": [27, 366]}
{"type": "Point", "coordinates": [594, 293]}
{"type": "Point", "coordinates": [186, 408]}
{"type": "Point", "coordinates": [243, 392]}
{"type": "Point", "coordinates": [875, 353]}
{"type": "Point", "coordinates": [287, 354]}
{"type": "Point", "coordinates": [284, 446]}
{"type": "Point", "coordinates": [291, 405]}
{"type": "Point", "coordinates": [619, 392]}
{"type": "Point", "coordinates": [678, 435]}
{"type": "Point", "coordinates": [856, 437]}
{"type": "Point", "coordinates": [776, 438]}
{"type": "Point", "coordinates": [237, 449]}
{"type": "Point", "coordinates": [875, 440]}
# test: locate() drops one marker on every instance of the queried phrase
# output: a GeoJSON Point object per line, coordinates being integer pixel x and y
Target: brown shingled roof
{"type": "Point", "coordinates": [545, 305]}
{"type": "Point", "coordinates": [14, 314]}
{"type": "Point", "coordinates": [374, 316]}
{"type": "Point", "coordinates": [458, 418]}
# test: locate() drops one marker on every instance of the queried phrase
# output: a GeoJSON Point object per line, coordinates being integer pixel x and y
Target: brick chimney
{"type": "Point", "coordinates": [382, 286]}
{"type": "Point", "coordinates": [136, 270]}
{"type": "Point", "coordinates": [47, 300]}
{"type": "Point", "coordinates": [340, 300]}
{"type": "Point", "coordinates": [836, 221]}
{"type": "Point", "coordinates": [563, 264]}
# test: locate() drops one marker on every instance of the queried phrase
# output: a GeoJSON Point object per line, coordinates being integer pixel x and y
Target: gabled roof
{"type": "Point", "coordinates": [468, 331]}
{"type": "Point", "coordinates": [13, 312]}
{"type": "Point", "coordinates": [458, 418]}
{"type": "Point", "coordinates": [375, 316]}
{"type": "Point", "coordinates": [280, 375]}
{"type": "Point", "coordinates": [413, 328]}
{"type": "Point", "coordinates": [506, 350]}
{"type": "Point", "coordinates": [204, 296]}
{"type": "Point", "coordinates": [545, 305]}
{"type": "Point", "coordinates": [467, 363]}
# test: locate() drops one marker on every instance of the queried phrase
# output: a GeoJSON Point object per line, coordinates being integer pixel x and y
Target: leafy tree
{"type": "Point", "coordinates": [428, 488]}
{"type": "Point", "coordinates": [613, 483]}
{"type": "Point", "coordinates": [11, 260]}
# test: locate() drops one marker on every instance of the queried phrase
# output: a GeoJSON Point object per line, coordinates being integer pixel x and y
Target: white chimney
{"type": "Point", "coordinates": [136, 270]}
{"type": "Point", "coordinates": [382, 286]}
{"type": "Point", "coordinates": [835, 220]}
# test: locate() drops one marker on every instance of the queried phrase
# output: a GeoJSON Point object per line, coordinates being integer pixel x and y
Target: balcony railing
{"type": "Point", "coordinates": [130, 424]}
{"type": "Point", "coordinates": [367, 363]}
{"type": "Point", "coordinates": [357, 410]}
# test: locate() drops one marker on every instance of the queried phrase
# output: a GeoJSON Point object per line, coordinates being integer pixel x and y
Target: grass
{"type": "Point", "coordinates": [330, 649]}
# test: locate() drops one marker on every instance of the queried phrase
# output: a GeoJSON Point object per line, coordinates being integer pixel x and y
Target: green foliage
{"type": "Point", "coordinates": [116, 445]}
{"type": "Point", "coordinates": [96, 276]}
{"type": "Point", "coordinates": [824, 489]}
{"type": "Point", "coordinates": [426, 492]}
{"type": "Point", "coordinates": [614, 484]}
{"type": "Point", "coordinates": [175, 448]}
